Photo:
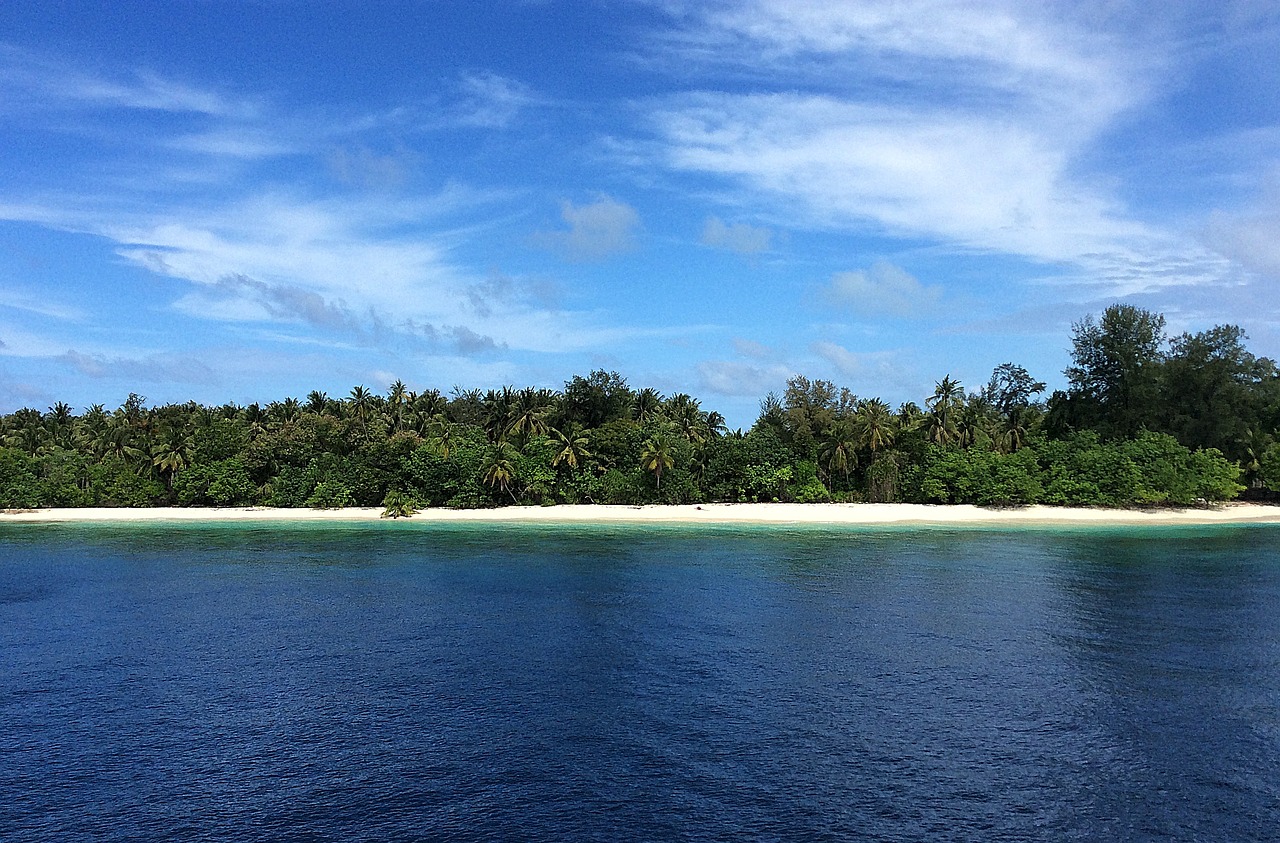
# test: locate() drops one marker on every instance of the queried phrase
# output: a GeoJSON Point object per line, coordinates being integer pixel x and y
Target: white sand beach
{"type": "Point", "coordinates": [866, 514]}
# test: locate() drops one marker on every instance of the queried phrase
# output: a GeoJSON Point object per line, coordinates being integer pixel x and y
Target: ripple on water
{"type": "Point", "coordinates": [352, 682]}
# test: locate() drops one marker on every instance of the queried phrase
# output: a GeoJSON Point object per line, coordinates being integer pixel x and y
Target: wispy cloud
{"type": "Point", "coordinates": [977, 141]}
{"type": "Point", "coordinates": [596, 230]}
{"type": "Point", "coordinates": [740, 378]}
{"type": "Point", "coordinates": [884, 289]}
{"type": "Point", "coordinates": [36, 81]}
{"type": "Point", "coordinates": [871, 371]}
{"type": "Point", "coordinates": [736, 237]}
{"type": "Point", "coordinates": [158, 368]}
{"type": "Point", "coordinates": [489, 100]}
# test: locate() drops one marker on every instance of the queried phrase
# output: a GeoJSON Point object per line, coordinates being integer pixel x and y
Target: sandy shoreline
{"type": "Point", "coordinates": [865, 514]}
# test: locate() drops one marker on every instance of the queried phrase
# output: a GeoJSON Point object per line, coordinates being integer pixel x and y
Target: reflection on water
{"type": "Point", "coordinates": [381, 682]}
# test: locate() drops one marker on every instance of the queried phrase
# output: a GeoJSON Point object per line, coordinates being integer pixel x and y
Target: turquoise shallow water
{"type": "Point", "coordinates": [401, 681]}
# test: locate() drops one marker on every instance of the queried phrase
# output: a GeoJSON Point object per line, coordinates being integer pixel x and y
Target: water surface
{"type": "Point", "coordinates": [318, 682]}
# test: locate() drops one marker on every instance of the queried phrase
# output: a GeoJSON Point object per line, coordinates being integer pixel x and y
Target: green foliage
{"type": "Point", "coordinates": [398, 504]}
{"type": "Point", "coordinates": [19, 486]}
{"type": "Point", "coordinates": [811, 491]}
{"type": "Point", "coordinates": [116, 483]}
{"type": "Point", "coordinates": [884, 479]}
{"type": "Point", "coordinates": [331, 493]}
{"type": "Point", "coordinates": [1143, 423]}
{"type": "Point", "coordinates": [1115, 370]}
{"type": "Point", "coordinates": [221, 483]}
{"type": "Point", "coordinates": [290, 487]}
{"type": "Point", "coordinates": [617, 487]}
{"type": "Point", "coordinates": [1269, 467]}
{"type": "Point", "coordinates": [65, 478]}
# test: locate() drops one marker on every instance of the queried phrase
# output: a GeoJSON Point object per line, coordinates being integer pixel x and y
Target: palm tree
{"type": "Point", "coordinates": [657, 455]}
{"type": "Point", "coordinates": [361, 402]}
{"type": "Point", "coordinates": [837, 450]}
{"type": "Point", "coordinates": [284, 412]}
{"type": "Point", "coordinates": [398, 398]}
{"type": "Point", "coordinates": [92, 430]}
{"type": "Point", "coordinates": [1012, 432]}
{"type": "Point", "coordinates": [910, 416]}
{"type": "Point", "coordinates": [646, 405]}
{"type": "Point", "coordinates": [940, 425]}
{"type": "Point", "coordinates": [528, 413]}
{"type": "Point", "coordinates": [61, 424]}
{"type": "Point", "coordinates": [499, 470]}
{"type": "Point", "coordinates": [440, 436]}
{"type": "Point", "coordinates": [171, 453]}
{"type": "Point", "coordinates": [684, 411]}
{"type": "Point", "coordinates": [571, 446]}
{"type": "Point", "coordinates": [495, 410]}
{"type": "Point", "coordinates": [29, 433]}
{"type": "Point", "coordinates": [875, 425]}
{"type": "Point", "coordinates": [119, 438]}
{"type": "Point", "coordinates": [317, 402]}
{"type": "Point", "coordinates": [715, 424]}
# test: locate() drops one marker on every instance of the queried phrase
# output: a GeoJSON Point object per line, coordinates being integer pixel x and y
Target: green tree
{"type": "Point", "coordinates": [1115, 371]}
{"type": "Point", "coordinates": [657, 455]}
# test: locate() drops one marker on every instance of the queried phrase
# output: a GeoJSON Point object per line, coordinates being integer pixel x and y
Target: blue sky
{"type": "Point", "coordinates": [243, 201]}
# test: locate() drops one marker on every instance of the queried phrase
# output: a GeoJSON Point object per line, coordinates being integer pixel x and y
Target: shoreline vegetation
{"type": "Point", "coordinates": [1147, 421]}
{"type": "Point", "coordinates": [781, 514]}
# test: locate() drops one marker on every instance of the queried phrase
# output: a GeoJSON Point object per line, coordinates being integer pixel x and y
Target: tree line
{"type": "Point", "coordinates": [1145, 420]}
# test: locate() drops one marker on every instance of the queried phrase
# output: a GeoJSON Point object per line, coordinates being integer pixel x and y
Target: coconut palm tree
{"type": "Point", "coordinates": [528, 413]}
{"type": "Point", "coordinates": [171, 453]}
{"type": "Point", "coordinates": [1011, 434]}
{"type": "Point", "coordinates": [715, 424]}
{"type": "Point", "coordinates": [28, 431]}
{"type": "Point", "coordinates": [441, 435]}
{"type": "Point", "coordinates": [60, 422]}
{"type": "Point", "coordinates": [838, 448]}
{"type": "Point", "coordinates": [657, 455]}
{"type": "Point", "coordinates": [646, 405]}
{"type": "Point", "coordinates": [361, 403]}
{"type": "Point", "coordinates": [875, 425]}
{"type": "Point", "coordinates": [940, 425]}
{"type": "Point", "coordinates": [317, 402]}
{"type": "Point", "coordinates": [570, 445]}
{"type": "Point", "coordinates": [495, 410]}
{"type": "Point", "coordinates": [973, 422]}
{"type": "Point", "coordinates": [398, 401]}
{"type": "Point", "coordinates": [499, 470]}
{"type": "Point", "coordinates": [284, 412]}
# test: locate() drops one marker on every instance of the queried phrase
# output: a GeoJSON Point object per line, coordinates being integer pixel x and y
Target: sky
{"type": "Point", "coordinates": [243, 201]}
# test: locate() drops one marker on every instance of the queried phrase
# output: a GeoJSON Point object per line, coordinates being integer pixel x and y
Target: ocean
{"type": "Point", "coordinates": [400, 681]}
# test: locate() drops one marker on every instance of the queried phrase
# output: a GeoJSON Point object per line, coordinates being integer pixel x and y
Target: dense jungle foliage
{"type": "Point", "coordinates": [1145, 420]}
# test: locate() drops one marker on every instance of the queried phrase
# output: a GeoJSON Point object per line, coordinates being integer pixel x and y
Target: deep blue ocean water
{"type": "Point", "coordinates": [400, 681]}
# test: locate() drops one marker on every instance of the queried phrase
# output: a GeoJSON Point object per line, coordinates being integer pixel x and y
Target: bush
{"type": "Point", "coordinates": [398, 504]}
{"type": "Point", "coordinates": [331, 494]}
{"type": "Point", "coordinates": [812, 491]}
{"type": "Point", "coordinates": [19, 487]}
{"type": "Point", "coordinates": [115, 483]}
{"type": "Point", "coordinates": [222, 483]}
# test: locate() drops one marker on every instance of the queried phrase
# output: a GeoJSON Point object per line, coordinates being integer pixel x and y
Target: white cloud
{"type": "Point", "coordinates": [737, 378]}
{"type": "Point", "coordinates": [597, 230]}
{"type": "Point", "coordinates": [361, 166]}
{"type": "Point", "coordinates": [844, 360]}
{"type": "Point", "coordinates": [754, 350]}
{"type": "Point", "coordinates": [1251, 236]}
{"type": "Point", "coordinates": [882, 289]}
{"type": "Point", "coordinates": [875, 367]}
{"type": "Point", "coordinates": [492, 101]}
{"type": "Point", "coordinates": [157, 368]}
{"type": "Point", "coordinates": [979, 143]}
{"type": "Point", "coordinates": [737, 237]}
{"type": "Point", "coordinates": [46, 83]}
